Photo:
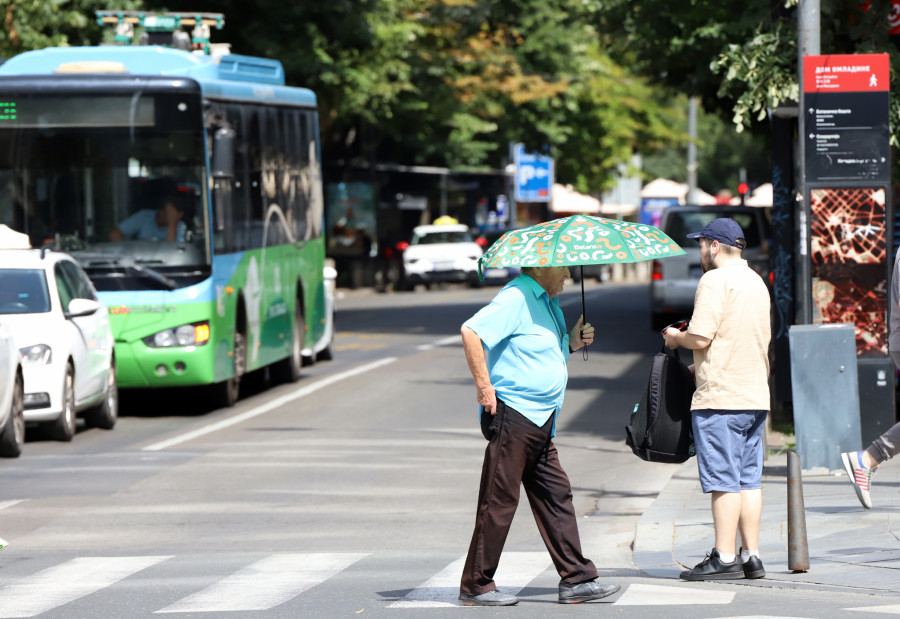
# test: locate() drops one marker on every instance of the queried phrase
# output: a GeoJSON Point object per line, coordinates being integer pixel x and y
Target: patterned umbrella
{"type": "Point", "coordinates": [578, 240]}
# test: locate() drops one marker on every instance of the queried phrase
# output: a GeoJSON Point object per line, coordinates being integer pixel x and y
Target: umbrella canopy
{"type": "Point", "coordinates": [579, 239]}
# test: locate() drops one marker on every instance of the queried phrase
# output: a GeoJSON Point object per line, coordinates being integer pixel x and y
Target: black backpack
{"type": "Point", "coordinates": [660, 426]}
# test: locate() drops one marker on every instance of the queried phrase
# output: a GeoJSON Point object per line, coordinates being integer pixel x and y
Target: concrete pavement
{"type": "Point", "coordinates": [850, 549]}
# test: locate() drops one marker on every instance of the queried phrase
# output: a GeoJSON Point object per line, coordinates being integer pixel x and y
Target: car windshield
{"type": "Point", "coordinates": [23, 291]}
{"type": "Point", "coordinates": [680, 224]}
{"type": "Point", "coordinates": [430, 238]}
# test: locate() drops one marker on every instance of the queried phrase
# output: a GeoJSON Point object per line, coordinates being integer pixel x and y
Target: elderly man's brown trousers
{"type": "Point", "coordinates": [519, 452]}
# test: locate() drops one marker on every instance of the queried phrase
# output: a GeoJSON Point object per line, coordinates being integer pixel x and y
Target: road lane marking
{"type": "Point", "coordinates": [515, 571]}
{"type": "Point", "coordinates": [453, 339]}
{"type": "Point", "coordinates": [268, 406]}
{"type": "Point", "coordinates": [656, 595]}
{"type": "Point", "coordinates": [67, 582]}
{"type": "Point", "coordinates": [266, 583]}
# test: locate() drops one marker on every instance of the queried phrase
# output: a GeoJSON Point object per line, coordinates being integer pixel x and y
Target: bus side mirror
{"type": "Point", "coordinates": [223, 153]}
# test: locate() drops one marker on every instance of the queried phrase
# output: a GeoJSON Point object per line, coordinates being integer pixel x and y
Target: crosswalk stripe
{"type": "Point", "coordinates": [69, 581]}
{"type": "Point", "coordinates": [891, 609]}
{"type": "Point", "coordinates": [515, 571]}
{"type": "Point", "coordinates": [654, 595]}
{"type": "Point", "coordinates": [5, 504]}
{"type": "Point", "coordinates": [266, 583]}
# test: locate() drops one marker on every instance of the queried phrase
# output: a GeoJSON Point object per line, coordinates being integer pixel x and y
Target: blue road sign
{"type": "Point", "coordinates": [534, 176]}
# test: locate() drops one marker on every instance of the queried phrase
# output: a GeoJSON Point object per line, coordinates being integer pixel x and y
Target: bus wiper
{"type": "Point", "coordinates": [99, 259]}
{"type": "Point", "coordinates": [153, 274]}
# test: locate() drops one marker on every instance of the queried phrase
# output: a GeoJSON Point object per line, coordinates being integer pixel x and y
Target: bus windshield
{"type": "Point", "coordinates": [115, 179]}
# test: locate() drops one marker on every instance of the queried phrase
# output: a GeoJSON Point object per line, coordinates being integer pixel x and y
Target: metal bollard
{"type": "Point", "coordinates": [798, 548]}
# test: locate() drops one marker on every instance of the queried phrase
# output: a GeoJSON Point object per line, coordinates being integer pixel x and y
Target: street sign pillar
{"type": "Point", "coordinates": [847, 230]}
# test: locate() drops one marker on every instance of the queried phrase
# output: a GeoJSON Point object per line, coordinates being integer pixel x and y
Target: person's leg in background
{"type": "Point", "coordinates": [861, 464]}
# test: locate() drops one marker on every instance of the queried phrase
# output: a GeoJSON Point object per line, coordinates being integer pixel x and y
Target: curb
{"type": "Point", "coordinates": [655, 530]}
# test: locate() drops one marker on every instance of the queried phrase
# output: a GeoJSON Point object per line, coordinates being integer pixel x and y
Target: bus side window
{"type": "Point", "coordinates": [292, 170]}
{"type": "Point", "coordinates": [240, 202]}
{"type": "Point", "coordinates": [254, 222]}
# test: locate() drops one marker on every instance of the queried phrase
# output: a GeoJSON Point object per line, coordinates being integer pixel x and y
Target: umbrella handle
{"type": "Point", "coordinates": [584, 350]}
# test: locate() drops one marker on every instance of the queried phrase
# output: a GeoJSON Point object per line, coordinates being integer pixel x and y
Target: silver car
{"type": "Point", "coordinates": [673, 281]}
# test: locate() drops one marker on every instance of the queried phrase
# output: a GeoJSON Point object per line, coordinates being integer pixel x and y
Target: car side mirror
{"type": "Point", "coordinates": [82, 307]}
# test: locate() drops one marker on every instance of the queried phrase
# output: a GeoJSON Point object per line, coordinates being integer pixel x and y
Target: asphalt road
{"type": "Point", "coordinates": [348, 493]}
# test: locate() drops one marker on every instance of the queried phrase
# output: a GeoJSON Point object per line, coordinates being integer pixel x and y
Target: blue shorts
{"type": "Point", "coordinates": [729, 449]}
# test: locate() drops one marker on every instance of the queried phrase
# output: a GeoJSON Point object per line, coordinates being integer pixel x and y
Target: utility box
{"type": "Point", "coordinates": [825, 387]}
{"type": "Point", "coordinates": [876, 397]}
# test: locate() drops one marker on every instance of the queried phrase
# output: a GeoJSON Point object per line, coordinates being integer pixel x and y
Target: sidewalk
{"type": "Point", "coordinates": [850, 549]}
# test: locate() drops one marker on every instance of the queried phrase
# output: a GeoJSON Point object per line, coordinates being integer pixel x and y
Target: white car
{"type": "Point", "coordinates": [64, 336]}
{"type": "Point", "coordinates": [12, 396]}
{"type": "Point", "coordinates": [441, 253]}
{"type": "Point", "coordinates": [323, 350]}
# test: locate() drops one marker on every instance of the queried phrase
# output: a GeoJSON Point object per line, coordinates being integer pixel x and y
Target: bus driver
{"type": "Point", "coordinates": [162, 224]}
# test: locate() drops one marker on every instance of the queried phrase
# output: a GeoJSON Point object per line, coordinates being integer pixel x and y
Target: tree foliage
{"type": "Point", "coordinates": [453, 82]}
{"type": "Point", "coordinates": [35, 24]}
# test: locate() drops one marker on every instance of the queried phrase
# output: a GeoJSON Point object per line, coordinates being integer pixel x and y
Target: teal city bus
{"type": "Point", "coordinates": [100, 145]}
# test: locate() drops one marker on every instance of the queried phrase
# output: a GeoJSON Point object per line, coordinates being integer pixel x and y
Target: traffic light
{"type": "Point", "coordinates": [743, 188]}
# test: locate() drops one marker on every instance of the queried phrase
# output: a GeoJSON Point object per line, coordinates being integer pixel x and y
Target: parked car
{"type": "Point", "coordinates": [12, 396]}
{"type": "Point", "coordinates": [441, 253]}
{"type": "Point", "coordinates": [496, 275]}
{"type": "Point", "coordinates": [673, 280]}
{"type": "Point", "coordinates": [323, 350]}
{"type": "Point", "coordinates": [64, 336]}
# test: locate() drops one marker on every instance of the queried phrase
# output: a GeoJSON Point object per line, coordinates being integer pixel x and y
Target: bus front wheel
{"type": "Point", "coordinates": [227, 392]}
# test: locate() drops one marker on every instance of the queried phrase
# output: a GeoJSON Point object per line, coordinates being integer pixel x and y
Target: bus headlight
{"type": "Point", "coordinates": [186, 335]}
{"type": "Point", "coordinates": [39, 354]}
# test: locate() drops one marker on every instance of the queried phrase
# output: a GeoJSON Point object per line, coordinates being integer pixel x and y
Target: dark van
{"type": "Point", "coordinates": [673, 281]}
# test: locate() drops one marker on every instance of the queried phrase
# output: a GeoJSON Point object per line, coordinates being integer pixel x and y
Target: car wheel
{"type": "Point", "coordinates": [226, 393]}
{"type": "Point", "coordinates": [12, 440]}
{"type": "Point", "coordinates": [288, 370]}
{"type": "Point", "coordinates": [63, 428]}
{"type": "Point", "coordinates": [105, 415]}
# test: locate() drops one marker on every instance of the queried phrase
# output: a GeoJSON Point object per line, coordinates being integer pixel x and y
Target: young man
{"type": "Point", "coordinates": [516, 348]}
{"type": "Point", "coordinates": [729, 333]}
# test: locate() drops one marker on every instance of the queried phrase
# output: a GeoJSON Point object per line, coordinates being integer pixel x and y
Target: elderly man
{"type": "Point", "coordinates": [516, 348]}
{"type": "Point", "coordinates": [729, 333]}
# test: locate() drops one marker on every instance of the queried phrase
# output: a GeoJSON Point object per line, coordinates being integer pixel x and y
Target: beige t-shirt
{"type": "Point", "coordinates": [731, 308]}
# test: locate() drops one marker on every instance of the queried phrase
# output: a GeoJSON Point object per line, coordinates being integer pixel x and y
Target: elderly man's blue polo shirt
{"type": "Point", "coordinates": [524, 333]}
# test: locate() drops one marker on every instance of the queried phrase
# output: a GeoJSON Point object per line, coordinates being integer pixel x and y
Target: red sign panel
{"type": "Point", "coordinates": [846, 73]}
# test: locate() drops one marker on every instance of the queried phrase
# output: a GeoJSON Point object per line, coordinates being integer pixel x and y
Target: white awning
{"type": "Point", "coordinates": [564, 199]}
{"type": "Point", "coordinates": [10, 239]}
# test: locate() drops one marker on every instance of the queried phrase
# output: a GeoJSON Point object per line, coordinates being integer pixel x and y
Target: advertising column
{"type": "Point", "coordinates": [848, 191]}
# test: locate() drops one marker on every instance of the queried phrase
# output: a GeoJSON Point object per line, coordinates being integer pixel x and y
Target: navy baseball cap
{"type": "Point", "coordinates": [724, 230]}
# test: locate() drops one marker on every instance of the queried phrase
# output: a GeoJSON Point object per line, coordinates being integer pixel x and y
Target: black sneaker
{"type": "Point", "coordinates": [713, 568]}
{"type": "Point", "coordinates": [488, 598]}
{"type": "Point", "coordinates": [584, 591]}
{"type": "Point", "coordinates": [753, 567]}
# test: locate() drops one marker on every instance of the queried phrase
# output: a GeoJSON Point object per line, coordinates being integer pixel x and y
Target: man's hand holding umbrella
{"type": "Point", "coordinates": [582, 334]}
